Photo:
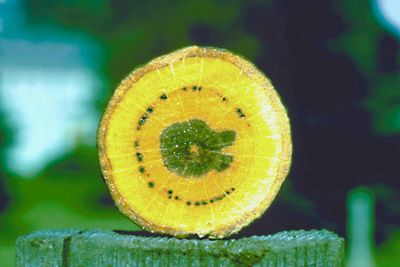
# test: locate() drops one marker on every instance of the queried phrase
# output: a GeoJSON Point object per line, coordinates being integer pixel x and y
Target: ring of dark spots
{"type": "Point", "coordinates": [212, 200]}
{"type": "Point", "coordinates": [240, 112]}
{"type": "Point", "coordinates": [192, 149]}
{"type": "Point", "coordinates": [194, 87]}
{"type": "Point", "coordinates": [151, 184]}
{"type": "Point", "coordinates": [141, 169]}
{"type": "Point", "coordinates": [163, 97]}
{"type": "Point", "coordinates": [150, 110]}
{"type": "Point", "coordinates": [143, 119]}
{"type": "Point", "coordinates": [139, 157]}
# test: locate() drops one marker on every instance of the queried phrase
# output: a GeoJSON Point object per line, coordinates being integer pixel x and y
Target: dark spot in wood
{"type": "Point", "coordinates": [163, 97]}
{"type": "Point", "coordinates": [143, 119]}
{"type": "Point", "coordinates": [151, 185]}
{"type": "Point", "coordinates": [240, 112]}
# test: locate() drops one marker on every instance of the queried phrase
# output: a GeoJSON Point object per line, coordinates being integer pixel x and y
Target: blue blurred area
{"type": "Point", "coordinates": [336, 65]}
{"type": "Point", "coordinates": [387, 12]}
{"type": "Point", "coordinates": [50, 87]}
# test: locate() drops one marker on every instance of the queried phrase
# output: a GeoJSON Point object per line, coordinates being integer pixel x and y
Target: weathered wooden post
{"type": "Point", "coordinates": [109, 248]}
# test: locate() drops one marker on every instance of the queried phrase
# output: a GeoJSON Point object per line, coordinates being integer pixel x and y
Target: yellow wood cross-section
{"type": "Point", "coordinates": [213, 181]}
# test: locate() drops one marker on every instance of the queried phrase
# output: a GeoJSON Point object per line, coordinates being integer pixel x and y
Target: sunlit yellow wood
{"type": "Point", "coordinates": [230, 94]}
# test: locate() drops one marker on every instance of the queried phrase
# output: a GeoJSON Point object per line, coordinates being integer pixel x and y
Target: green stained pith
{"type": "Point", "coordinates": [191, 148]}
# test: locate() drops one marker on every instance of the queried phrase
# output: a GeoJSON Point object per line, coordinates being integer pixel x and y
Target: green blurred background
{"type": "Point", "coordinates": [336, 65]}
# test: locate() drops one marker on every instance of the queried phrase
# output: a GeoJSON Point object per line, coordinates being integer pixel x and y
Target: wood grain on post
{"type": "Point", "coordinates": [74, 247]}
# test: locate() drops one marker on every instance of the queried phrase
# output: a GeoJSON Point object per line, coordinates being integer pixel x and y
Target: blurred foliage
{"type": "Point", "coordinates": [335, 66]}
{"type": "Point", "coordinates": [359, 40]}
{"type": "Point", "coordinates": [376, 54]}
{"type": "Point", "coordinates": [5, 141]}
{"type": "Point", "coordinates": [388, 254]}
{"type": "Point", "coordinates": [384, 103]}
{"type": "Point", "coordinates": [134, 32]}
